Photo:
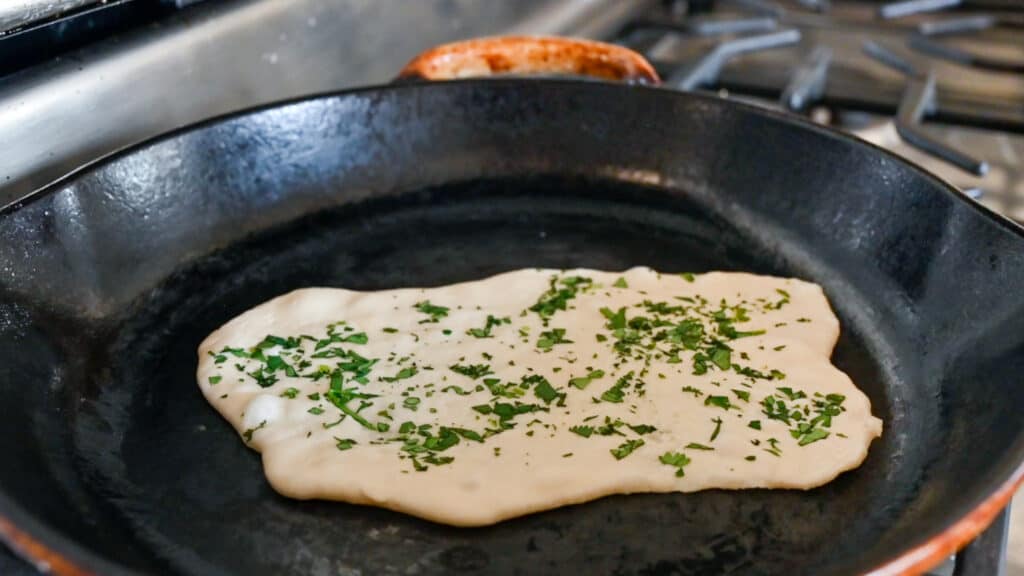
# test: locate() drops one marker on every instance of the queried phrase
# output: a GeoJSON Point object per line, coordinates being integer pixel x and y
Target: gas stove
{"type": "Point", "coordinates": [940, 82]}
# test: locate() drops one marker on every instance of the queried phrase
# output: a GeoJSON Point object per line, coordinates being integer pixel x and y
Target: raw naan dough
{"type": "Point", "coordinates": [677, 424]}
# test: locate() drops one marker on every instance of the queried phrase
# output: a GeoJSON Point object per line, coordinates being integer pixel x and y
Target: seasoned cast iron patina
{"type": "Point", "coordinates": [115, 464]}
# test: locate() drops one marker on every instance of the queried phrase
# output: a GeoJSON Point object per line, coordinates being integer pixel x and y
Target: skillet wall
{"type": "Point", "coordinates": [942, 277]}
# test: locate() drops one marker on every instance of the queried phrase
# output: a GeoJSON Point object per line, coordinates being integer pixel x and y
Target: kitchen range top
{"type": "Point", "coordinates": [940, 82]}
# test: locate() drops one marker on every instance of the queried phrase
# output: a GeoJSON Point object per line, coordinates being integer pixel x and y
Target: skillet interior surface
{"type": "Point", "coordinates": [111, 280]}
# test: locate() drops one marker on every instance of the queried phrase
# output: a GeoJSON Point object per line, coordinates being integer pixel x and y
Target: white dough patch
{"type": "Point", "coordinates": [581, 384]}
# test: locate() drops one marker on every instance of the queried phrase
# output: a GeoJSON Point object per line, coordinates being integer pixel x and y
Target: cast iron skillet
{"type": "Point", "coordinates": [114, 464]}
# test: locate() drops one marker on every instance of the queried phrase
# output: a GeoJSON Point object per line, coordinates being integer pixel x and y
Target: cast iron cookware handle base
{"type": "Point", "coordinates": [530, 55]}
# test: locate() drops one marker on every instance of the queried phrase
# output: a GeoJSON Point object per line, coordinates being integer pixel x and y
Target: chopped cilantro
{"type": "Point", "coordinates": [626, 448]}
{"type": "Point", "coordinates": [250, 431]}
{"type": "Point", "coordinates": [677, 460]}
{"type": "Point", "coordinates": [491, 322]}
{"type": "Point", "coordinates": [558, 295]}
{"type": "Point", "coordinates": [718, 428]}
{"type": "Point", "coordinates": [473, 371]}
{"type": "Point", "coordinates": [720, 401]}
{"type": "Point", "coordinates": [435, 313]}
{"type": "Point", "coordinates": [582, 382]}
{"type": "Point", "coordinates": [584, 431]}
{"type": "Point", "coordinates": [552, 337]}
{"type": "Point", "coordinates": [402, 374]}
{"type": "Point", "coordinates": [616, 393]}
{"type": "Point", "coordinates": [545, 391]}
{"type": "Point", "coordinates": [344, 443]}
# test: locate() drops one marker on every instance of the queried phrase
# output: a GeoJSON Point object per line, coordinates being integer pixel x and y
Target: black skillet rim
{"type": "Point", "coordinates": [912, 560]}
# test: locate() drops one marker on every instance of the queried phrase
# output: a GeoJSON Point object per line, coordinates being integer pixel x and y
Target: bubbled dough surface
{"type": "Point", "coordinates": [301, 461]}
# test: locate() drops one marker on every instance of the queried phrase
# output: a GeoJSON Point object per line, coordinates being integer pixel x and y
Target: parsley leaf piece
{"type": "Point", "coordinates": [435, 313]}
{"type": "Point", "coordinates": [582, 382]}
{"type": "Point", "coordinates": [584, 431]}
{"type": "Point", "coordinates": [626, 448]}
{"type": "Point", "coordinates": [718, 428]}
{"type": "Point", "coordinates": [813, 435]}
{"type": "Point", "coordinates": [616, 393]}
{"type": "Point", "coordinates": [473, 371]}
{"type": "Point", "coordinates": [677, 460]}
{"type": "Point", "coordinates": [402, 374]}
{"type": "Point", "coordinates": [551, 337]}
{"type": "Point", "coordinates": [491, 322]}
{"type": "Point", "coordinates": [545, 391]}
{"type": "Point", "coordinates": [558, 294]}
{"type": "Point", "coordinates": [344, 443]}
{"type": "Point", "coordinates": [720, 401]}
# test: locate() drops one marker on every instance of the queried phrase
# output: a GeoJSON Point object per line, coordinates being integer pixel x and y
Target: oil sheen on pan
{"type": "Point", "coordinates": [476, 402]}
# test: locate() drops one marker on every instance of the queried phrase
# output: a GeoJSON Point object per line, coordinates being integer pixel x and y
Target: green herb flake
{"type": "Point", "coordinates": [473, 371]}
{"type": "Point", "coordinates": [720, 401]}
{"type": "Point", "coordinates": [545, 391]}
{"type": "Point", "coordinates": [621, 283]}
{"type": "Point", "coordinates": [490, 323]}
{"type": "Point", "coordinates": [617, 393]}
{"type": "Point", "coordinates": [558, 294]}
{"type": "Point", "coordinates": [677, 460]}
{"type": "Point", "coordinates": [403, 374]}
{"type": "Point", "coordinates": [247, 435]}
{"type": "Point", "coordinates": [214, 380]}
{"type": "Point", "coordinates": [290, 393]}
{"type": "Point", "coordinates": [755, 424]}
{"type": "Point", "coordinates": [626, 448]}
{"type": "Point", "coordinates": [812, 436]}
{"type": "Point", "coordinates": [718, 428]}
{"type": "Point", "coordinates": [551, 337]}
{"type": "Point", "coordinates": [582, 382]}
{"type": "Point", "coordinates": [316, 410]}
{"type": "Point", "coordinates": [642, 428]}
{"type": "Point", "coordinates": [584, 431]}
{"type": "Point", "coordinates": [435, 313]}
{"type": "Point", "coordinates": [344, 443]}
{"type": "Point", "coordinates": [696, 446]}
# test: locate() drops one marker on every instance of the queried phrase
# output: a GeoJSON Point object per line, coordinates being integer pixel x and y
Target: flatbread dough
{"type": "Point", "coordinates": [476, 402]}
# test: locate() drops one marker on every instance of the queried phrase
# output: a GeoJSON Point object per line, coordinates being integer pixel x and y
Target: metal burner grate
{"type": "Point", "coordinates": [938, 78]}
